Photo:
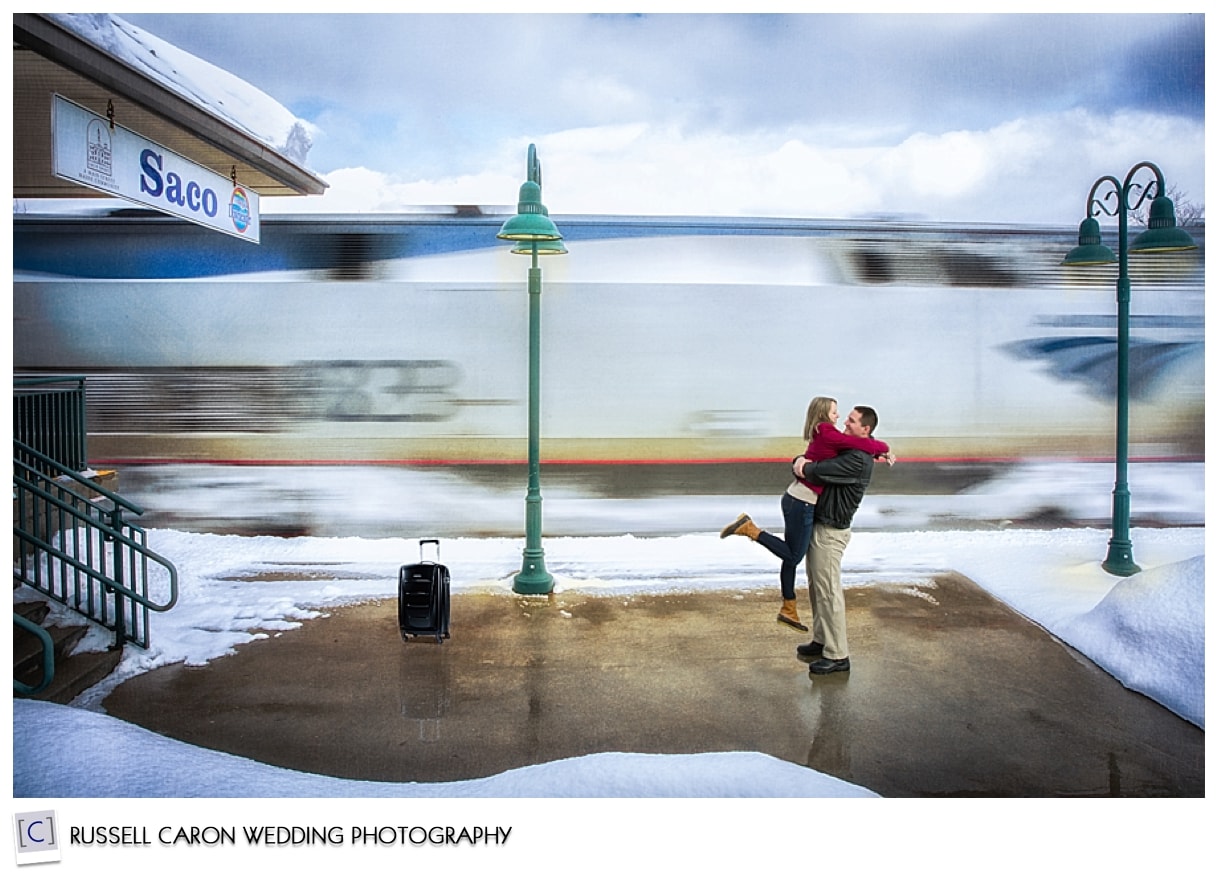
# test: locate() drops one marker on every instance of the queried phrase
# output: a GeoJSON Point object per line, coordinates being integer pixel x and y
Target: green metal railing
{"type": "Point", "coordinates": [48, 658]}
{"type": "Point", "coordinates": [72, 543]}
{"type": "Point", "coordinates": [49, 416]}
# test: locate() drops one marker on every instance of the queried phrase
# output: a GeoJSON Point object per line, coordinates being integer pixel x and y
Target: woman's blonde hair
{"type": "Point", "coordinates": [818, 413]}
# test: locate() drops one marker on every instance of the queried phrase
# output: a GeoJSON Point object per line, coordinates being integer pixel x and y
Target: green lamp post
{"type": "Point", "coordinates": [1161, 235]}
{"type": "Point", "coordinates": [535, 235]}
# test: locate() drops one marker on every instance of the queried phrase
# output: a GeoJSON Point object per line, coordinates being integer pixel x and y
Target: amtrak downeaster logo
{"type": "Point", "coordinates": [239, 210]}
{"type": "Point", "coordinates": [36, 837]}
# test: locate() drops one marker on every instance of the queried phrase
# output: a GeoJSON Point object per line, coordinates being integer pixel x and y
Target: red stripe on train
{"type": "Point", "coordinates": [168, 461]}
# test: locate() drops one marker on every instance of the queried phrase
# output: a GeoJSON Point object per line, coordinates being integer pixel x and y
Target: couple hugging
{"type": "Point", "coordinates": [818, 508]}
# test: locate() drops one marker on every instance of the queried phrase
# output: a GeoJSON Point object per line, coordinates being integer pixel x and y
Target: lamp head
{"type": "Point", "coordinates": [1090, 250]}
{"type": "Point", "coordinates": [531, 220]}
{"type": "Point", "coordinates": [543, 246]}
{"type": "Point", "coordinates": [1161, 232]}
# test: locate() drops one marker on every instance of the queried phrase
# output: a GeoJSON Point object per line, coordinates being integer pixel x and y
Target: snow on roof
{"type": "Point", "coordinates": [226, 96]}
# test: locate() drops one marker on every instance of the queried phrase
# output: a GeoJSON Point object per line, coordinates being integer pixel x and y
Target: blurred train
{"type": "Point", "coordinates": [404, 339]}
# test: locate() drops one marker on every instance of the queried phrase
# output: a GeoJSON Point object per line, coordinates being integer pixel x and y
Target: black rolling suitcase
{"type": "Point", "coordinates": [423, 597]}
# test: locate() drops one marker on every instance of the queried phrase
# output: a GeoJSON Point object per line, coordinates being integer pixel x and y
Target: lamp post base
{"type": "Point", "coordinates": [533, 578]}
{"type": "Point", "coordinates": [1120, 558]}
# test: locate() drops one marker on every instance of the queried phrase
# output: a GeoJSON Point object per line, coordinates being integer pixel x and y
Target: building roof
{"type": "Point", "coordinates": [50, 57]}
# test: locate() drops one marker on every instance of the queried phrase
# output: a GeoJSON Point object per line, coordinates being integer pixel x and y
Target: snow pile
{"type": "Point", "coordinates": [141, 763]}
{"type": "Point", "coordinates": [1147, 628]}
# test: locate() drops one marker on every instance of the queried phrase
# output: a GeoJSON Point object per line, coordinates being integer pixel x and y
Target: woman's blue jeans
{"type": "Point", "coordinates": [797, 516]}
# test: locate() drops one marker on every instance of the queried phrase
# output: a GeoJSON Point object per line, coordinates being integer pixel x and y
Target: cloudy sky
{"type": "Point", "coordinates": [976, 118]}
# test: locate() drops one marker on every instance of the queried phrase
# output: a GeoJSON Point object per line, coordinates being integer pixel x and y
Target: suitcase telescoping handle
{"type": "Point", "coordinates": [435, 542]}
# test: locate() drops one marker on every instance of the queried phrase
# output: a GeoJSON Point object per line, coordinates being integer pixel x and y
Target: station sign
{"type": "Point", "coordinates": [91, 151]}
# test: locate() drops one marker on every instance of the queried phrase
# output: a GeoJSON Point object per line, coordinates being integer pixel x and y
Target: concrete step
{"type": "Point", "coordinates": [27, 648]}
{"type": "Point", "coordinates": [34, 611]}
{"type": "Point", "coordinates": [77, 673]}
{"type": "Point", "coordinates": [74, 672]}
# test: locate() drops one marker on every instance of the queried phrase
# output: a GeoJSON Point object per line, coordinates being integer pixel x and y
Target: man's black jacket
{"type": "Point", "coordinates": [846, 478]}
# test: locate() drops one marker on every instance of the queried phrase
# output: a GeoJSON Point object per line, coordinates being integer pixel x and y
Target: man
{"type": "Point", "coordinates": [846, 478]}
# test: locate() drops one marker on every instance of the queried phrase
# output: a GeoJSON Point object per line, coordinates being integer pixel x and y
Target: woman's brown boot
{"type": "Point", "coordinates": [742, 526]}
{"type": "Point", "coordinates": [789, 616]}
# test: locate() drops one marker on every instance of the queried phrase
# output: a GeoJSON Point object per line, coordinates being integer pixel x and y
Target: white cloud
{"type": "Point", "coordinates": [983, 119]}
{"type": "Point", "coordinates": [1030, 170]}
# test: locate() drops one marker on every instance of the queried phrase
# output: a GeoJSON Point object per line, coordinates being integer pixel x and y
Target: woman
{"type": "Point", "coordinates": [799, 501]}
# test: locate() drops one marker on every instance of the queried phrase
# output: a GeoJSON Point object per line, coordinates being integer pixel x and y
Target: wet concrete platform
{"type": "Point", "coordinates": [951, 693]}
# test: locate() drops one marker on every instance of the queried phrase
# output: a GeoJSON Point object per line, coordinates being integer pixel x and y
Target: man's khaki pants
{"type": "Point", "coordinates": [824, 568]}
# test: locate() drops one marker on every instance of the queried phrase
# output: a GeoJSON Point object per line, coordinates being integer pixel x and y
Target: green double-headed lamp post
{"type": "Point", "coordinates": [535, 235]}
{"type": "Point", "coordinates": [1161, 235]}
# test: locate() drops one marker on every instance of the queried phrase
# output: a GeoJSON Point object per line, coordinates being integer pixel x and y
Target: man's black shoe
{"type": "Point", "coordinates": [811, 650]}
{"type": "Point", "coordinates": [825, 665]}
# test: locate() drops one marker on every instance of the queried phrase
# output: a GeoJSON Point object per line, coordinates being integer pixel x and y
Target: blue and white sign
{"type": "Point", "coordinates": [87, 150]}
